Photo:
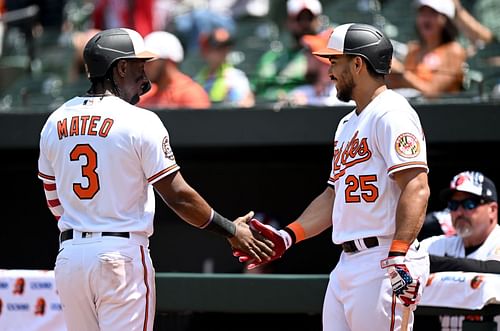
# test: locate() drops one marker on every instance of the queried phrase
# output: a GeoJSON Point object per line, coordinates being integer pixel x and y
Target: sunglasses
{"type": "Point", "coordinates": [467, 204]}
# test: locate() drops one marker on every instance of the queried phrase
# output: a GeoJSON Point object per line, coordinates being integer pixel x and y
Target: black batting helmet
{"type": "Point", "coordinates": [109, 46]}
{"type": "Point", "coordinates": [362, 40]}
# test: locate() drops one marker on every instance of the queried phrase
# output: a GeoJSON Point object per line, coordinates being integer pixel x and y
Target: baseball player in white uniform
{"type": "Point", "coordinates": [376, 196]}
{"type": "Point", "coordinates": [100, 157]}
{"type": "Point", "coordinates": [473, 204]}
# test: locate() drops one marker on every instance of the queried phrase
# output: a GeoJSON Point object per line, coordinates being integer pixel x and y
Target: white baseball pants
{"type": "Point", "coordinates": [359, 294]}
{"type": "Point", "coordinates": [106, 283]}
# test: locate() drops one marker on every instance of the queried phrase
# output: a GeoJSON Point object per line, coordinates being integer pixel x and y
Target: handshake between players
{"type": "Point", "coordinates": [404, 286]}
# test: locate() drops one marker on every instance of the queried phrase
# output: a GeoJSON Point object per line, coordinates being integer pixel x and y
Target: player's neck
{"type": "Point", "coordinates": [100, 89]}
{"type": "Point", "coordinates": [365, 95]}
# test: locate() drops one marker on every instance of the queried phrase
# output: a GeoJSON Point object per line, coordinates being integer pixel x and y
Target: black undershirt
{"type": "Point", "coordinates": [448, 263]}
{"type": "Point", "coordinates": [472, 249]}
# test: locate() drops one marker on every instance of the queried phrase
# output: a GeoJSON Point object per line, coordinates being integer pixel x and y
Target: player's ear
{"type": "Point", "coordinates": [356, 63]}
{"type": "Point", "coordinates": [121, 67]}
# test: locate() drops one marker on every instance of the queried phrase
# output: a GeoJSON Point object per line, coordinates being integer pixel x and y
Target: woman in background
{"type": "Point", "coordinates": [434, 64]}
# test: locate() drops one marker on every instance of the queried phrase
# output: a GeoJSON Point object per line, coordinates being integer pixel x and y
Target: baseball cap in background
{"type": "Point", "coordinates": [445, 7]}
{"type": "Point", "coordinates": [219, 37]}
{"type": "Point", "coordinates": [165, 45]}
{"type": "Point", "coordinates": [472, 182]}
{"type": "Point", "coordinates": [316, 42]}
{"type": "Point", "coordinates": [294, 7]}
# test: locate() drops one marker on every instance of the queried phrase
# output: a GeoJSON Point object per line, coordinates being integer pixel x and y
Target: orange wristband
{"type": "Point", "coordinates": [298, 230]}
{"type": "Point", "coordinates": [400, 246]}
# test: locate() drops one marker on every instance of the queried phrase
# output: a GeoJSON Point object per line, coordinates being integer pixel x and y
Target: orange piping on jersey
{"type": "Point", "coordinates": [146, 313]}
{"type": "Point", "coordinates": [300, 233]}
{"type": "Point", "coordinates": [164, 171]}
{"type": "Point", "coordinates": [53, 203]}
{"type": "Point", "coordinates": [393, 312]}
{"type": "Point", "coordinates": [414, 163]}
{"type": "Point", "coordinates": [44, 176]}
{"type": "Point", "coordinates": [49, 186]}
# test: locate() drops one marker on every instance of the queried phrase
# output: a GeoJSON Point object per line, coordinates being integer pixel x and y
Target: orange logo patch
{"type": "Point", "coordinates": [430, 279]}
{"type": "Point", "coordinates": [476, 281]}
{"type": "Point", "coordinates": [407, 145]}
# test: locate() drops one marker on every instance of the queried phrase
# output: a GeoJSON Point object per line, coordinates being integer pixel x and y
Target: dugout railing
{"type": "Point", "coordinates": [181, 293]}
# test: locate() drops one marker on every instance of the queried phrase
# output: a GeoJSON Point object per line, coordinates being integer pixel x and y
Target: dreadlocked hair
{"type": "Point", "coordinates": [96, 81]}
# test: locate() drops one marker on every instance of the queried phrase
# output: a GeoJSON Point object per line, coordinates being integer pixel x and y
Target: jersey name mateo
{"type": "Point", "coordinates": [349, 154]}
{"type": "Point", "coordinates": [84, 125]}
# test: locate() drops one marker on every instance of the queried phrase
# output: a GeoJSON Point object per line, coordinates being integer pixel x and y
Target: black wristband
{"type": "Point", "coordinates": [222, 226]}
{"type": "Point", "coordinates": [291, 233]}
{"type": "Point", "coordinates": [394, 253]}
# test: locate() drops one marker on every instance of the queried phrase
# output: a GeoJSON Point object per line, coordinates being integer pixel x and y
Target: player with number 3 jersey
{"type": "Point", "coordinates": [100, 158]}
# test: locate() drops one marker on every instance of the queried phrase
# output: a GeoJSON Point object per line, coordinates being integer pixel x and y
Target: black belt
{"type": "Point", "coordinates": [68, 234]}
{"type": "Point", "coordinates": [350, 246]}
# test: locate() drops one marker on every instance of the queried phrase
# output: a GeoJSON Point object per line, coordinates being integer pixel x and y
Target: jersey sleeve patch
{"type": "Point", "coordinates": [407, 145]}
{"type": "Point", "coordinates": [167, 150]}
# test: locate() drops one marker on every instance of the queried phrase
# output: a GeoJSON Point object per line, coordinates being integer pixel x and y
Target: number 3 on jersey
{"type": "Point", "coordinates": [88, 171]}
{"type": "Point", "coordinates": [361, 187]}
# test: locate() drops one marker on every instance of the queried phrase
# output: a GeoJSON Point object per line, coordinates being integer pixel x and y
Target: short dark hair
{"type": "Point", "coordinates": [369, 67]}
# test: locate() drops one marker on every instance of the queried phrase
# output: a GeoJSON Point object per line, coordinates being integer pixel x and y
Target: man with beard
{"type": "Point", "coordinates": [376, 194]}
{"type": "Point", "coordinates": [472, 202]}
{"type": "Point", "coordinates": [100, 158]}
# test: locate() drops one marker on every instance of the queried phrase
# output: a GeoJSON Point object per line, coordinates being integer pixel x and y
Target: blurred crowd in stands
{"type": "Point", "coordinates": [246, 53]}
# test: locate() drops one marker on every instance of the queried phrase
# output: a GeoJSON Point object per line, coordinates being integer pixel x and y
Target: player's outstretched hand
{"type": "Point", "coordinates": [249, 243]}
{"type": "Point", "coordinates": [280, 239]}
{"type": "Point", "coordinates": [404, 286]}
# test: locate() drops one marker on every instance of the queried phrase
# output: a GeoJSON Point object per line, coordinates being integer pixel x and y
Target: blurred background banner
{"type": "Point", "coordinates": [29, 301]}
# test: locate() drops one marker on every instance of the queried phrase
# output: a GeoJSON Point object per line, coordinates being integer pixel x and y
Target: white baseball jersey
{"type": "Point", "coordinates": [103, 154]}
{"type": "Point", "coordinates": [454, 246]}
{"type": "Point", "coordinates": [384, 138]}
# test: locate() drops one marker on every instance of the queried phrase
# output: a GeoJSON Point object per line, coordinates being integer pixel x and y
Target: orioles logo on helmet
{"type": "Point", "coordinates": [476, 282]}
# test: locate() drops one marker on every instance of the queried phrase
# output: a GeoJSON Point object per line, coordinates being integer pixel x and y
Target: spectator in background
{"type": "Point", "coordinates": [133, 14]}
{"type": "Point", "coordinates": [284, 67]}
{"type": "Point", "coordinates": [170, 87]}
{"type": "Point", "coordinates": [478, 21]}
{"type": "Point", "coordinates": [320, 89]}
{"type": "Point", "coordinates": [225, 84]}
{"type": "Point", "coordinates": [78, 40]}
{"type": "Point", "coordinates": [437, 223]}
{"type": "Point", "coordinates": [472, 201]}
{"type": "Point", "coordinates": [191, 18]}
{"type": "Point", "coordinates": [434, 63]}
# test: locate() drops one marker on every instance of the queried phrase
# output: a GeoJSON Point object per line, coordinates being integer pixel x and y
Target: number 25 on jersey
{"type": "Point", "coordinates": [361, 187]}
